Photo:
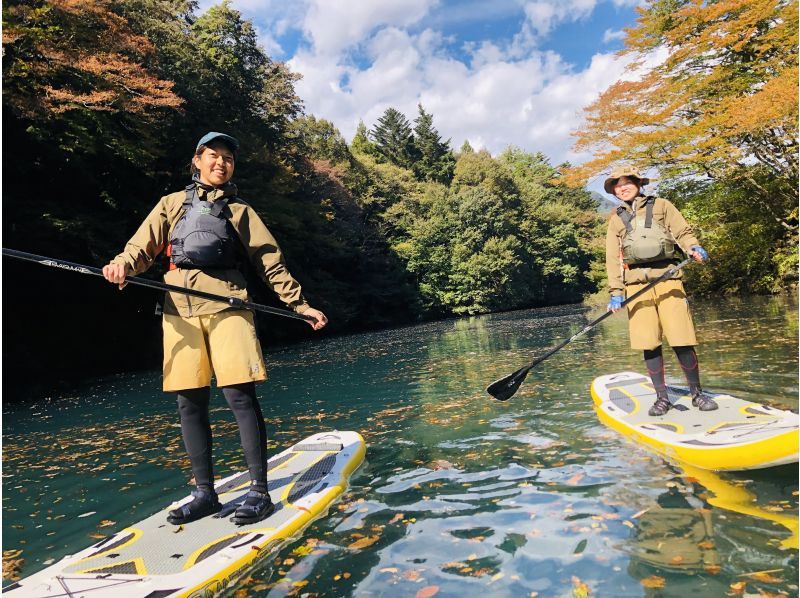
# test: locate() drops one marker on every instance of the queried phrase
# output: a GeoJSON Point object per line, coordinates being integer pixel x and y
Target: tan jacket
{"type": "Point", "coordinates": [670, 218]}
{"type": "Point", "coordinates": [153, 236]}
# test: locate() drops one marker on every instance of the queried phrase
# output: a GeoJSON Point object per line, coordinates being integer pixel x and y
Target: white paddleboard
{"type": "Point", "coordinates": [155, 559]}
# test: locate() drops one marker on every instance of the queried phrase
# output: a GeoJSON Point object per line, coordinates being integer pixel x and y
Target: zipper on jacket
{"type": "Point", "coordinates": [186, 285]}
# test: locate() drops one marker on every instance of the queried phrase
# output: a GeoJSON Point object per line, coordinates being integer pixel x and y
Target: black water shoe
{"type": "Point", "coordinates": [257, 505]}
{"type": "Point", "coordinates": [660, 407]}
{"type": "Point", "coordinates": [703, 402]}
{"type": "Point", "coordinates": [203, 504]}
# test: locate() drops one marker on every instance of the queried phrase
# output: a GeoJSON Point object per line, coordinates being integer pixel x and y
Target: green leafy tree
{"type": "Point", "coordinates": [320, 139]}
{"type": "Point", "coordinates": [435, 160]}
{"type": "Point", "coordinates": [394, 139]}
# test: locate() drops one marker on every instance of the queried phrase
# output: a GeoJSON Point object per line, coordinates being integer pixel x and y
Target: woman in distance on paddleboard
{"type": "Point", "coordinates": [207, 232]}
{"type": "Point", "coordinates": [640, 246]}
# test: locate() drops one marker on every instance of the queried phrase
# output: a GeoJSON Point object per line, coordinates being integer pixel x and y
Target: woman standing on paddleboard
{"type": "Point", "coordinates": [207, 232]}
{"type": "Point", "coordinates": [640, 246]}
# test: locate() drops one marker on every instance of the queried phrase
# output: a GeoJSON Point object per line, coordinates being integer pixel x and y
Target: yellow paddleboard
{"type": "Point", "coordinates": [738, 436]}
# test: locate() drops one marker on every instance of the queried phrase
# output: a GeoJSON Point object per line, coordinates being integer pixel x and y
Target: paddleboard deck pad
{"type": "Point", "coordinates": [740, 435]}
{"type": "Point", "coordinates": [155, 559]}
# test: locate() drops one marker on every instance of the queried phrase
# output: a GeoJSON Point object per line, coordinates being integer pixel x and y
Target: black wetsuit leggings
{"type": "Point", "coordinates": [687, 356]}
{"type": "Point", "coordinates": [196, 429]}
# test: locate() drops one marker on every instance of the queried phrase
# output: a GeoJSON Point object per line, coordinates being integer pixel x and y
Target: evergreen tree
{"type": "Point", "coordinates": [435, 158]}
{"type": "Point", "coordinates": [361, 142]}
{"type": "Point", "coordinates": [466, 148]}
{"type": "Point", "coordinates": [394, 139]}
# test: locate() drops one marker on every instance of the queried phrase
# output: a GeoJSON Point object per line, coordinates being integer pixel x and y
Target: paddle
{"type": "Point", "coordinates": [233, 301]}
{"type": "Point", "coordinates": [504, 388]}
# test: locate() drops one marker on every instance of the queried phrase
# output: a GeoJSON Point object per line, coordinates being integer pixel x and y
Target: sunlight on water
{"type": "Point", "coordinates": [460, 495]}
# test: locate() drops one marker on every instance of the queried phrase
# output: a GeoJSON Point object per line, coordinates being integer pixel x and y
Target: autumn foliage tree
{"type": "Point", "coordinates": [78, 62]}
{"type": "Point", "coordinates": [720, 109]}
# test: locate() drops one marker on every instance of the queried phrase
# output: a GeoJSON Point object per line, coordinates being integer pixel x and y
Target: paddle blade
{"type": "Point", "coordinates": [505, 388]}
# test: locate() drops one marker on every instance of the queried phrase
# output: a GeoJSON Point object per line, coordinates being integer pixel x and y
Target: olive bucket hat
{"type": "Point", "coordinates": [621, 171]}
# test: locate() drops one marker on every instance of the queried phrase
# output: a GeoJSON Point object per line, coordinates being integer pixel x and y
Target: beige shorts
{"type": "Point", "coordinates": [223, 344]}
{"type": "Point", "coordinates": [661, 311]}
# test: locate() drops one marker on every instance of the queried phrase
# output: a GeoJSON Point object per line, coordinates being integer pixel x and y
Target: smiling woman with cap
{"type": "Point", "coordinates": [641, 245]}
{"type": "Point", "coordinates": [208, 232]}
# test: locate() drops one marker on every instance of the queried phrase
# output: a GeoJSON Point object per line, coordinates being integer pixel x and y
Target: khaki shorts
{"type": "Point", "coordinates": [661, 311]}
{"type": "Point", "coordinates": [223, 343]}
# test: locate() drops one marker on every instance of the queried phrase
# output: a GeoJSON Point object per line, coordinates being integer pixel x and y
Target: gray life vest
{"type": "Point", "coordinates": [203, 236]}
{"type": "Point", "coordinates": [644, 241]}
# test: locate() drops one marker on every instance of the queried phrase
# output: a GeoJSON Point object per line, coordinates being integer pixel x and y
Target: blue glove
{"type": "Point", "coordinates": [700, 252]}
{"type": "Point", "coordinates": [615, 304]}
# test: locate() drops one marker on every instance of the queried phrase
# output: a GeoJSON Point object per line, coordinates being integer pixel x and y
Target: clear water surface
{"type": "Point", "coordinates": [460, 495]}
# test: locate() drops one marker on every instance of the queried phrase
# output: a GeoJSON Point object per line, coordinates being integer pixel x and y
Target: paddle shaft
{"type": "Point", "coordinates": [668, 274]}
{"type": "Point", "coordinates": [81, 269]}
{"type": "Point", "coordinates": [504, 388]}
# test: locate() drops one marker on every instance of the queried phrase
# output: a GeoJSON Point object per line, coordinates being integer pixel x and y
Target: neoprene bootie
{"type": "Point", "coordinates": [203, 504]}
{"type": "Point", "coordinates": [257, 505]}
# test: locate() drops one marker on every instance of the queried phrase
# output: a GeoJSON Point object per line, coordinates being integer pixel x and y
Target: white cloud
{"type": "Point", "coordinates": [534, 103]}
{"type": "Point", "coordinates": [335, 26]}
{"type": "Point", "coordinates": [544, 15]}
{"type": "Point", "coordinates": [612, 35]}
{"type": "Point", "coordinates": [364, 56]}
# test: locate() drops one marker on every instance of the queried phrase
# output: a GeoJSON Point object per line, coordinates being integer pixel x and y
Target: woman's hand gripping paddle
{"type": "Point", "coordinates": [505, 388]}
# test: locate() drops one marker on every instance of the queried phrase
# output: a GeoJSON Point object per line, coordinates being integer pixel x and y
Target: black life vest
{"type": "Point", "coordinates": [203, 237]}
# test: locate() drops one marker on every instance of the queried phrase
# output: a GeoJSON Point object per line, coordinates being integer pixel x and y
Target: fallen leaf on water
{"type": "Point", "coordinates": [654, 581]}
{"type": "Point", "coordinates": [573, 481]}
{"type": "Point", "coordinates": [411, 575]}
{"type": "Point", "coordinates": [389, 570]}
{"type": "Point", "coordinates": [12, 568]}
{"type": "Point", "coordinates": [640, 513]}
{"type": "Point", "coordinates": [706, 545]}
{"type": "Point", "coordinates": [96, 536]}
{"type": "Point", "coordinates": [497, 576]}
{"type": "Point", "coordinates": [676, 560]}
{"type": "Point", "coordinates": [396, 518]}
{"type": "Point", "coordinates": [106, 523]}
{"type": "Point", "coordinates": [738, 588]}
{"type": "Point", "coordinates": [427, 592]}
{"type": "Point", "coordinates": [579, 589]}
{"type": "Point", "coordinates": [364, 542]}
{"type": "Point", "coordinates": [441, 464]}
{"type": "Point", "coordinates": [472, 557]}
{"type": "Point", "coordinates": [712, 569]}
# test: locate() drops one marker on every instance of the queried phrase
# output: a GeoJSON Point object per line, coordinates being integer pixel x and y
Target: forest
{"type": "Point", "coordinates": [104, 101]}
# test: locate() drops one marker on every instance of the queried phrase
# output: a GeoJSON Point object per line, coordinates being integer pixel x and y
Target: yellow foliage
{"type": "Point", "coordinates": [725, 94]}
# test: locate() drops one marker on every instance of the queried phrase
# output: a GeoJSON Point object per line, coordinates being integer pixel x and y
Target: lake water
{"type": "Point", "coordinates": [460, 495]}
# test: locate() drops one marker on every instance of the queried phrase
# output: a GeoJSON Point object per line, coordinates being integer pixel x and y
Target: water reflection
{"type": "Point", "coordinates": [460, 495]}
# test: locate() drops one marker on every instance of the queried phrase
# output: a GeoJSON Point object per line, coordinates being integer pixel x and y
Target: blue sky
{"type": "Point", "coordinates": [496, 73]}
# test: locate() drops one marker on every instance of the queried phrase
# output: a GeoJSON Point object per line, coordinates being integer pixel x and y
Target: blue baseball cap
{"type": "Point", "coordinates": [231, 142]}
